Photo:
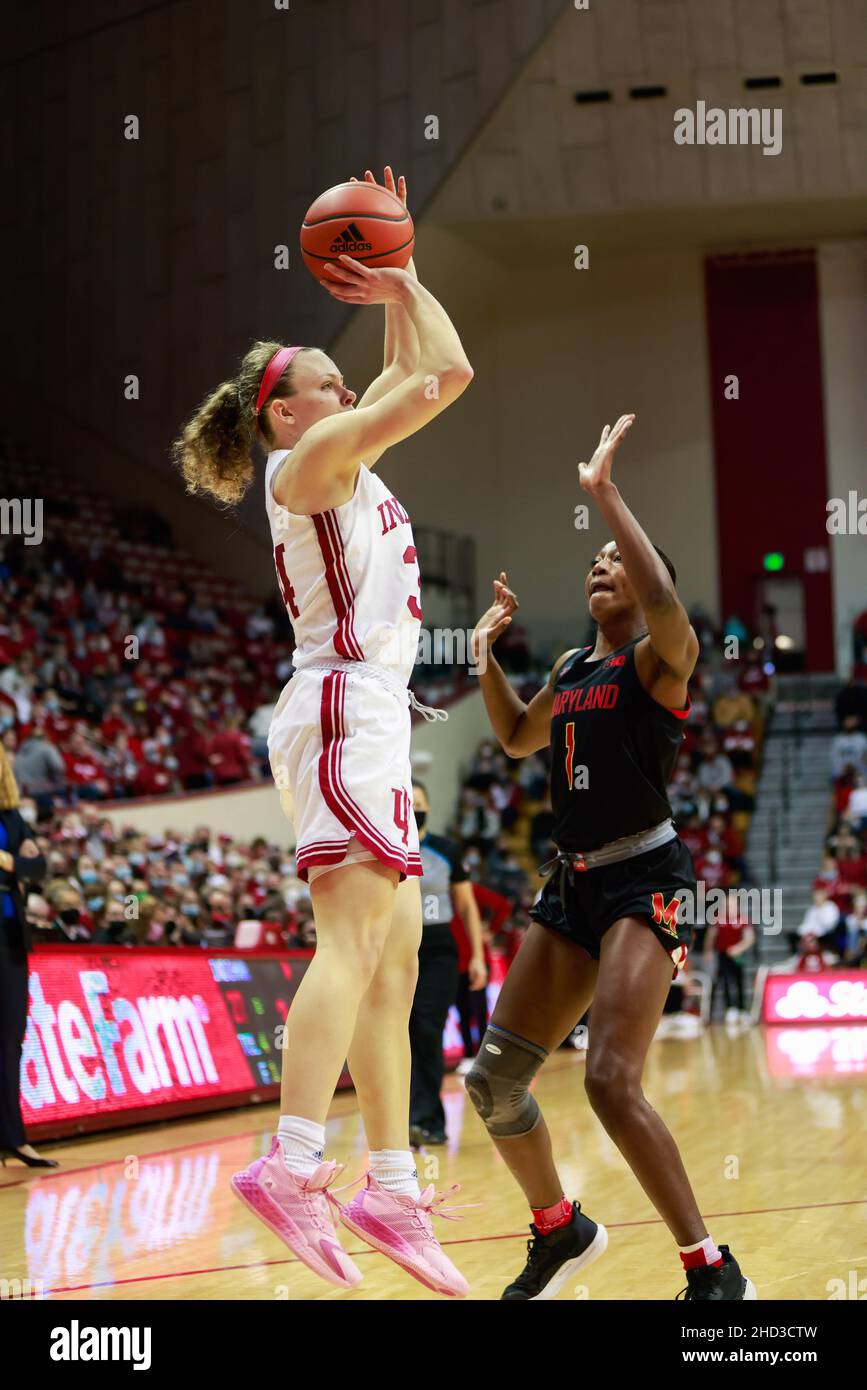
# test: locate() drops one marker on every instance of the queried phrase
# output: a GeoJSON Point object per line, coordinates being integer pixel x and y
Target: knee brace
{"type": "Point", "coordinates": [498, 1083]}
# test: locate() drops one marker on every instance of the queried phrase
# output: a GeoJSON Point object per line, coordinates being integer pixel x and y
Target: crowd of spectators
{"type": "Point", "coordinates": [127, 668]}
{"type": "Point", "coordinates": [120, 887]}
{"type": "Point", "coordinates": [834, 927]}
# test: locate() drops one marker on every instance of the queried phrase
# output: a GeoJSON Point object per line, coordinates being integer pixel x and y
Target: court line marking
{"type": "Point", "coordinates": [61, 1172]}
{"type": "Point", "coordinates": [457, 1240]}
{"type": "Point", "coordinates": [32, 1174]}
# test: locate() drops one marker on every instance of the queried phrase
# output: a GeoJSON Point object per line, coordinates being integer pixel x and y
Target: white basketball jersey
{"type": "Point", "coordinates": [349, 576]}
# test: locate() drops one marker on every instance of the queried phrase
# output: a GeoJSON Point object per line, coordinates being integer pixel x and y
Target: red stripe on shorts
{"type": "Point", "coordinates": [337, 798]}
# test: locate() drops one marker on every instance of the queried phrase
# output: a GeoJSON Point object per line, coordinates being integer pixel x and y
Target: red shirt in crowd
{"type": "Point", "coordinates": [714, 875]}
{"type": "Point", "coordinates": [112, 725]}
{"type": "Point", "coordinates": [727, 841]}
{"type": "Point", "coordinates": [152, 780]}
{"type": "Point", "coordinates": [191, 751]}
{"type": "Point", "coordinates": [695, 839]}
{"type": "Point", "coordinates": [753, 680]}
{"type": "Point", "coordinates": [82, 769]}
{"type": "Point", "coordinates": [494, 907]}
{"type": "Point", "coordinates": [233, 749]}
{"type": "Point", "coordinates": [728, 934]}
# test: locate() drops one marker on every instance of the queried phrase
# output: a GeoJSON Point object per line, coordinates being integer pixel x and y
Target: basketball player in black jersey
{"type": "Point", "coordinates": [605, 928]}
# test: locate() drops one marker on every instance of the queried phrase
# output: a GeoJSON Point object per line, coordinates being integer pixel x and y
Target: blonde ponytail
{"type": "Point", "coordinates": [214, 451]}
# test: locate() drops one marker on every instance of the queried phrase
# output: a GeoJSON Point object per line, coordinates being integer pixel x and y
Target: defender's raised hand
{"type": "Point", "coordinates": [597, 473]}
{"type": "Point", "coordinates": [495, 621]}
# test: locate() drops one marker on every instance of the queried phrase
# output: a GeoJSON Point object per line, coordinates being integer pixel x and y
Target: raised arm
{"type": "Point", "coordinates": [330, 452]}
{"type": "Point", "coordinates": [666, 658]}
{"type": "Point", "coordinates": [400, 350]}
{"type": "Point", "coordinates": [521, 729]}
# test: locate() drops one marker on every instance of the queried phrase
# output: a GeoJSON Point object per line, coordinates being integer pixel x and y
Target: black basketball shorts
{"type": "Point", "coordinates": [583, 904]}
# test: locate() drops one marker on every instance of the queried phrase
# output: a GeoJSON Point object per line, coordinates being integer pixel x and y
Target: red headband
{"type": "Point", "coordinates": [272, 374]}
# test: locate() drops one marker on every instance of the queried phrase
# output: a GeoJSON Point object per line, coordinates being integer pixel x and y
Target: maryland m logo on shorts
{"type": "Point", "coordinates": [665, 914]}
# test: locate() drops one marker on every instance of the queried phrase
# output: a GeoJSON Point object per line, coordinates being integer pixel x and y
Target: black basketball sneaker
{"type": "Point", "coordinates": [718, 1282]}
{"type": "Point", "coordinates": [552, 1259]}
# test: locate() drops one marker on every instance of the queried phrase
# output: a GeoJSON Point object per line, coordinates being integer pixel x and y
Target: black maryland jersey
{"type": "Point", "coordinates": [612, 751]}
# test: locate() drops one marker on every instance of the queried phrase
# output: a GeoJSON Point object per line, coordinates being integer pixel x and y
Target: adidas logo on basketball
{"type": "Point", "coordinates": [350, 239]}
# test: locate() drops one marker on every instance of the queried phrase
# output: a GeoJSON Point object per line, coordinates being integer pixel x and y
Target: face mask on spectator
{"type": "Point", "coordinates": [181, 878]}
{"type": "Point", "coordinates": [123, 872]}
{"type": "Point", "coordinates": [190, 909]}
{"type": "Point", "coordinates": [94, 904]}
{"type": "Point", "coordinates": [137, 860]}
{"type": "Point", "coordinates": [421, 819]}
{"type": "Point", "coordinates": [88, 875]}
{"type": "Point", "coordinates": [70, 915]}
{"type": "Point", "coordinates": [29, 813]}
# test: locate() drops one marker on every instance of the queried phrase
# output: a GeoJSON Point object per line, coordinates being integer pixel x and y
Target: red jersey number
{"type": "Point", "coordinates": [401, 811]}
{"type": "Point", "coordinates": [283, 579]}
{"type": "Point", "coordinates": [570, 751]}
{"type": "Point", "coordinates": [412, 603]}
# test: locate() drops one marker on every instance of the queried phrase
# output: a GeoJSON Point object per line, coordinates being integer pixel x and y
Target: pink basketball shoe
{"type": "Point", "coordinates": [297, 1210]}
{"type": "Point", "coordinates": [401, 1227]}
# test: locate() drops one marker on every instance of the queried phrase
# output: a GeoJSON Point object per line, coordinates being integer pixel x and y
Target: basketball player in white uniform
{"type": "Point", "coordinates": [339, 752]}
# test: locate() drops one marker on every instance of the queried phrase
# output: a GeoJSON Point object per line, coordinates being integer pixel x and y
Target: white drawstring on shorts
{"type": "Point", "coordinates": [384, 676]}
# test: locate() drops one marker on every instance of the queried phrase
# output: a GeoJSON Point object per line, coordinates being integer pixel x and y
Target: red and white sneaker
{"type": "Point", "coordinates": [297, 1210]}
{"type": "Point", "coordinates": [401, 1227]}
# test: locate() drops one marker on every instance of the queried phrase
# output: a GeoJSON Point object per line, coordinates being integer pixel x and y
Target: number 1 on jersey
{"type": "Point", "coordinates": [570, 750]}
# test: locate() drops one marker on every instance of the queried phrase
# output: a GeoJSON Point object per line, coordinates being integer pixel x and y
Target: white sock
{"type": "Point", "coordinates": [708, 1249]}
{"type": "Point", "coordinates": [303, 1143]}
{"type": "Point", "coordinates": [395, 1170]}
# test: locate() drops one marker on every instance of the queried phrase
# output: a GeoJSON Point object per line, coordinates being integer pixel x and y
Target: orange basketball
{"type": "Point", "coordinates": [361, 220]}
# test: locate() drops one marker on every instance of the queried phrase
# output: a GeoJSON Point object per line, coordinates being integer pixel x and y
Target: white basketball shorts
{"type": "Point", "coordinates": [339, 751]}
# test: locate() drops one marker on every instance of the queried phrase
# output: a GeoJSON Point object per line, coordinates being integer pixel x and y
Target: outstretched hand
{"type": "Point", "coordinates": [495, 621]}
{"type": "Point", "coordinates": [597, 472]}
